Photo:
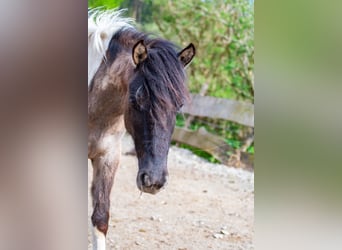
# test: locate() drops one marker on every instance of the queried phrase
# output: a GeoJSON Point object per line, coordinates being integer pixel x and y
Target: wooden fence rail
{"type": "Point", "coordinates": [220, 108]}
{"type": "Point", "coordinates": [217, 108]}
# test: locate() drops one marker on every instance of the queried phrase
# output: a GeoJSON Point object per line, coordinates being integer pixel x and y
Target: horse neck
{"type": "Point", "coordinates": [108, 95]}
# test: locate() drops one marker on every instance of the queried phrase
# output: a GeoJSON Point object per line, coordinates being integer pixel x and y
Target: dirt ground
{"type": "Point", "coordinates": [204, 206]}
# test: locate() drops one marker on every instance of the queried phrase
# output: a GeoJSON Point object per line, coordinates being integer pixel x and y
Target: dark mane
{"type": "Point", "coordinates": [161, 75]}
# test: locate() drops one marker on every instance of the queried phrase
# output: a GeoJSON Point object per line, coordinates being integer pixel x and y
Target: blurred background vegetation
{"type": "Point", "coordinates": [223, 34]}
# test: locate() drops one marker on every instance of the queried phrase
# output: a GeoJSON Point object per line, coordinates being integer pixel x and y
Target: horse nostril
{"type": "Point", "coordinates": [146, 181]}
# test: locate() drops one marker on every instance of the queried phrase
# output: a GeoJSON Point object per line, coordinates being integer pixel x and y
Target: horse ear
{"type": "Point", "coordinates": [186, 55]}
{"type": "Point", "coordinates": [139, 52]}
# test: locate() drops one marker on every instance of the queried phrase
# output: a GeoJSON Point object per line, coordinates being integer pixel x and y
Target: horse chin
{"type": "Point", "coordinates": [149, 190]}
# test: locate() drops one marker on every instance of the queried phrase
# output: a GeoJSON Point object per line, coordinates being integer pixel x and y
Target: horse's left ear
{"type": "Point", "coordinates": [186, 55]}
{"type": "Point", "coordinates": [139, 52]}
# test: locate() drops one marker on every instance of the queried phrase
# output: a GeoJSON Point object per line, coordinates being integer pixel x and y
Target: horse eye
{"type": "Point", "coordinates": [133, 102]}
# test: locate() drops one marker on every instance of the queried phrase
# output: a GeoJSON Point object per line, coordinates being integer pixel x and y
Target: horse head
{"type": "Point", "coordinates": [156, 92]}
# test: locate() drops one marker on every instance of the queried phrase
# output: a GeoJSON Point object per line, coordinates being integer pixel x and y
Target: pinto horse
{"type": "Point", "coordinates": [136, 83]}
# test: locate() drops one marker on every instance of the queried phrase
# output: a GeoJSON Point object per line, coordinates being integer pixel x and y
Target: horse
{"type": "Point", "coordinates": [136, 83]}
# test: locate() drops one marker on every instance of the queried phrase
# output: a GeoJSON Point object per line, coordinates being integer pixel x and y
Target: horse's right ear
{"type": "Point", "coordinates": [139, 52]}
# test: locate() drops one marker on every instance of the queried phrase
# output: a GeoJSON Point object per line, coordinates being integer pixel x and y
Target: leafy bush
{"type": "Point", "coordinates": [223, 34]}
{"type": "Point", "coordinates": [107, 4]}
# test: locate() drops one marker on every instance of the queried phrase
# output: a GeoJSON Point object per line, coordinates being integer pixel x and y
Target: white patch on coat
{"type": "Point", "coordinates": [102, 25]}
{"type": "Point", "coordinates": [99, 241]}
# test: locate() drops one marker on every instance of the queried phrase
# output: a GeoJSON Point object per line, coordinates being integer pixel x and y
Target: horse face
{"type": "Point", "coordinates": [152, 140]}
{"type": "Point", "coordinates": [156, 92]}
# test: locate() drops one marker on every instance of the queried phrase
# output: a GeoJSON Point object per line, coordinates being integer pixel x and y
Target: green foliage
{"type": "Point", "coordinates": [223, 34]}
{"type": "Point", "coordinates": [251, 149]}
{"type": "Point", "coordinates": [107, 4]}
{"type": "Point", "coordinates": [140, 10]}
{"type": "Point", "coordinates": [231, 132]}
{"type": "Point", "coordinates": [198, 152]}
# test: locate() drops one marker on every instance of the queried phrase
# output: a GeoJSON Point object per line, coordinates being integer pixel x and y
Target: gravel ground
{"type": "Point", "coordinates": [204, 206]}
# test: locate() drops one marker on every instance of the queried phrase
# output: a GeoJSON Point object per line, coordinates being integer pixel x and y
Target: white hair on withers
{"type": "Point", "coordinates": [102, 24]}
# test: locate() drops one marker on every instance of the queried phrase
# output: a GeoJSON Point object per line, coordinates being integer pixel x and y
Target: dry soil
{"type": "Point", "coordinates": [204, 206]}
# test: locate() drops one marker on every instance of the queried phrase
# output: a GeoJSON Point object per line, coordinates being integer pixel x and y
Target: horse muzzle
{"type": "Point", "coordinates": [151, 183]}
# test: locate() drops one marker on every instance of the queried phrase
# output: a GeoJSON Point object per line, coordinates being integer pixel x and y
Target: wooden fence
{"type": "Point", "coordinates": [217, 108]}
